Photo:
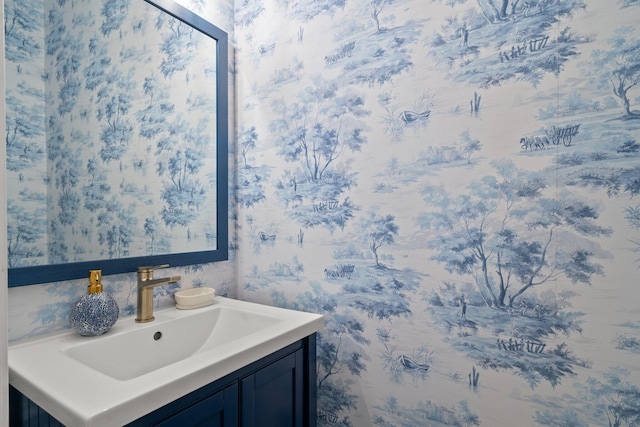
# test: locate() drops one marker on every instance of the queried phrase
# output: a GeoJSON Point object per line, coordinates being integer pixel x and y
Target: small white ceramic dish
{"type": "Point", "coordinates": [187, 299]}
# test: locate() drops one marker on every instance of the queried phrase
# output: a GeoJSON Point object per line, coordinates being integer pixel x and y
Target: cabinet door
{"type": "Point", "coordinates": [25, 413]}
{"type": "Point", "coordinates": [274, 395]}
{"type": "Point", "coordinates": [218, 410]}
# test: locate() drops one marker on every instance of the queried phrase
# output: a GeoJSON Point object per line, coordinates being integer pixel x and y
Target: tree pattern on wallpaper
{"type": "Point", "coordinates": [25, 118]}
{"type": "Point", "coordinates": [317, 132]}
{"type": "Point", "coordinates": [130, 145]}
{"type": "Point", "coordinates": [502, 234]}
{"type": "Point", "coordinates": [522, 34]}
{"type": "Point", "coordinates": [506, 255]}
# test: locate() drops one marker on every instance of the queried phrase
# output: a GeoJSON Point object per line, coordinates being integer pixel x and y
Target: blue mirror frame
{"type": "Point", "coordinates": [22, 276]}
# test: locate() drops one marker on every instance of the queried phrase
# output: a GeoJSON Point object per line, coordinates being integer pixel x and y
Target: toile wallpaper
{"type": "Point", "coordinates": [454, 184]}
{"type": "Point", "coordinates": [122, 127]}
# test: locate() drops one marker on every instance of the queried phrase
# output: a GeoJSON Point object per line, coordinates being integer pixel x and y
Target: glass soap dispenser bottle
{"type": "Point", "coordinates": [96, 311]}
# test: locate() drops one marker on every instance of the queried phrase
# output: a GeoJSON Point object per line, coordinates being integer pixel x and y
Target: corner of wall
{"type": "Point", "coordinates": [4, 370]}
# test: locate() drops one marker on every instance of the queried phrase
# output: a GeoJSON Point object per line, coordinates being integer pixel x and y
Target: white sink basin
{"type": "Point", "coordinates": [124, 356]}
{"type": "Point", "coordinates": [136, 368]}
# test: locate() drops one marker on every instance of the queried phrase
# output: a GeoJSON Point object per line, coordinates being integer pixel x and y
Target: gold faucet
{"type": "Point", "coordinates": [146, 283]}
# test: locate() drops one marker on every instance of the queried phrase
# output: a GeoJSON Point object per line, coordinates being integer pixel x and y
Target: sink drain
{"type": "Point", "coordinates": [157, 335]}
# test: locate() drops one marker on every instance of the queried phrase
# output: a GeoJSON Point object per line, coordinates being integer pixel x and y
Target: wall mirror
{"type": "Point", "coordinates": [117, 129]}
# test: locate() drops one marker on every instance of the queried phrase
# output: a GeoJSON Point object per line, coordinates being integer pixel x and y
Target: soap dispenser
{"type": "Point", "coordinates": [96, 312]}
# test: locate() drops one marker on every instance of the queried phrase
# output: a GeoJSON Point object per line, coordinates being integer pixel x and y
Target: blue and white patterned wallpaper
{"type": "Point", "coordinates": [454, 185]}
{"type": "Point", "coordinates": [122, 97]}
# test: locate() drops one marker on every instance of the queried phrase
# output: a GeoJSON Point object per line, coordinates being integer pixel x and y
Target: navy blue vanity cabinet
{"type": "Point", "coordinates": [275, 393]}
{"type": "Point", "coordinates": [24, 413]}
{"type": "Point", "coordinates": [278, 390]}
{"type": "Point", "coordinates": [218, 410]}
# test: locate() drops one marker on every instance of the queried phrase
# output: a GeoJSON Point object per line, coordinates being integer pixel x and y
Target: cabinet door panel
{"type": "Point", "coordinates": [218, 410]}
{"type": "Point", "coordinates": [23, 412]}
{"type": "Point", "coordinates": [273, 396]}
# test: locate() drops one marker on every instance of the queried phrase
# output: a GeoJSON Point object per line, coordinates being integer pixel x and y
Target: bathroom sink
{"type": "Point", "coordinates": [135, 368]}
{"type": "Point", "coordinates": [128, 354]}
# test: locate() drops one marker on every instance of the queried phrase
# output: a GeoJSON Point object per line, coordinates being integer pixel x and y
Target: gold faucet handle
{"type": "Point", "coordinates": [146, 273]}
{"type": "Point", "coordinates": [148, 269]}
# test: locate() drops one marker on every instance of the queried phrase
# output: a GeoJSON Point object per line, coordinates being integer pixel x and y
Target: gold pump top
{"type": "Point", "coordinates": [95, 277]}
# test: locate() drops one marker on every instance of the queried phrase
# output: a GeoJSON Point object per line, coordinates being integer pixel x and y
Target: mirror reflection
{"type": "Point", "coordinates": [112, 133]}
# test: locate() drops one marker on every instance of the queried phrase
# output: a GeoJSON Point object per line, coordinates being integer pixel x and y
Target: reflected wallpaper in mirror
{"type": "Point", "coordinates": [111, 132]}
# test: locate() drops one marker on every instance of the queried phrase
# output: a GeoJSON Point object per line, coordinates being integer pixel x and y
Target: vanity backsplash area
{"type": "Point", "coordinates": [41, 309]}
